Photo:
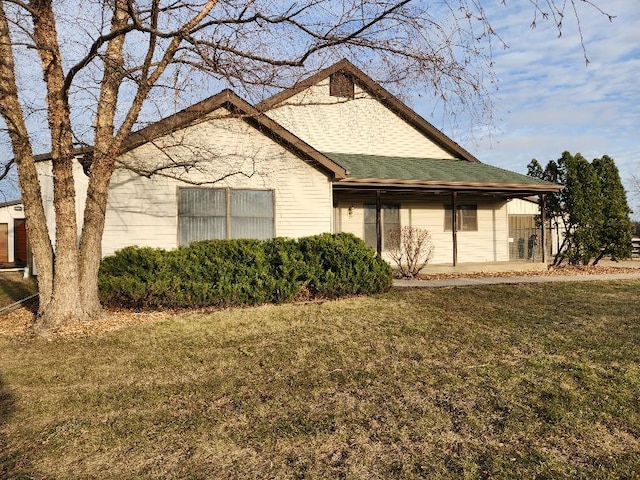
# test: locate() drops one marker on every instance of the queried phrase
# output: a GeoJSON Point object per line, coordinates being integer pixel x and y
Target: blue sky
{"type": "Point", "coordinates": [549, 101]}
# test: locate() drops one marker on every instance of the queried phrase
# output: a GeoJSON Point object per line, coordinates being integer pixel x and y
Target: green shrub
{"type": "Point", "coordinates": [287, 269]}
{"type": "Point", "coordinates": [223, 272]}
{"type": "Point", "coordinates": [342, 264]}
{"type": "Point", "coordinates": [242, 272]}
{"type": "Point", "coordinates": [136, 277]}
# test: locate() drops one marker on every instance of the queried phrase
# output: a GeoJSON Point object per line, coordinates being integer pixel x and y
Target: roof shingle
{"type": "Point", "coordinates": [425, 171]}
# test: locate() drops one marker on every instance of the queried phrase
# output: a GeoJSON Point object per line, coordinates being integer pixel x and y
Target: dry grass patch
{"type": "Point", "coordinates": [494, 381]}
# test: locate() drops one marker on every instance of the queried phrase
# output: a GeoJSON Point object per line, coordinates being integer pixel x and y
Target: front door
{"type": "Point", "coordinates": [4, 242]}
{"type": "Point", "coordinates": [20, 242]}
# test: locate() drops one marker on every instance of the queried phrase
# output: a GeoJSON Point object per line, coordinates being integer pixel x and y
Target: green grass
{"type": "Point", "coordinates": [13, 288]}
{"type": "Point", "coordinates": [527, 381]}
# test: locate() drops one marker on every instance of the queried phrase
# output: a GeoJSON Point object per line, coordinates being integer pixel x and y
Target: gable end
{"type": "Point", "coordinates": [385, 97]}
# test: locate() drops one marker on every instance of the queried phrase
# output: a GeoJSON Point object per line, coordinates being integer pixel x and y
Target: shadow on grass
{"type": "Point", "coordinates": [11, 463]}
{"type": "Point", "coordinates": [14, 288]}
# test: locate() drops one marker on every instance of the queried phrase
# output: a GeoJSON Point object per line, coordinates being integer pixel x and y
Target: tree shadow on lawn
{"type": "Point", "coordinates": [14, 288]}
{"type": "Point", "coordinates": [12, 462]}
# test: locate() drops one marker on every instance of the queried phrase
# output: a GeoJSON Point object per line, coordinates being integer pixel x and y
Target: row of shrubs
{"type": "Point", "coordinates": [242, 272]}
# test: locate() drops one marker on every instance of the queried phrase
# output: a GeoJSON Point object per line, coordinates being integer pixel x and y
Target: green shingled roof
{"type": "Point", "coordinates": [429, 170]}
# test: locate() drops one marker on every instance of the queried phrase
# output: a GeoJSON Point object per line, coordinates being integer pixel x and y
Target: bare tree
{"type": "Point", "coordinates": [411, 249]}
{"type": "Point", "coordinates": [103, 63]}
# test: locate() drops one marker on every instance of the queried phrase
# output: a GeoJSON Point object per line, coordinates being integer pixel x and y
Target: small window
{"type": "Point", "coordinates": [390, 218]}
{"type": "Point", "coordinates": [219, 213]}
{"type": "Point", "coordinates": [341, 85]}
{"type": "Point", "coordinates": [466, 218]}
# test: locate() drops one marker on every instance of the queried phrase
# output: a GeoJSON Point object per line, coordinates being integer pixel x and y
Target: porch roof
{"type": "Point", "coordinates": [434, 173]}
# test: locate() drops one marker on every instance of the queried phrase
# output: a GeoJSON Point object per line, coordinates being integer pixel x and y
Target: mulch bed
{"type": "Point", "coordinates": [562, 270]}
{"type": "Point", "coordinates": [17, 323]}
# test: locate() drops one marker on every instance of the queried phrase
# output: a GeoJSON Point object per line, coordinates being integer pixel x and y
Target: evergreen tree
{"type": "Point", "coordinates": [534, 169]}
{"type": "Point", "coordinates": [584, 207]}
{"type": "Point", "coordinates": [592, 208]}
{"type": "Point", "coordinates": [616, 229]}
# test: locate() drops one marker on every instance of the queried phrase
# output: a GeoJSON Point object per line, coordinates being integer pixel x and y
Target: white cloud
{"type": "Point", "coordinates": [549, 101]}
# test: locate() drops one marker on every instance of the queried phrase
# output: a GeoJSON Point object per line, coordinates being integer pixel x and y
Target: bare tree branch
{"type": "Point", "coordinates": [95, 70]}
{"type": "Point", "coordinates": [6, 168]}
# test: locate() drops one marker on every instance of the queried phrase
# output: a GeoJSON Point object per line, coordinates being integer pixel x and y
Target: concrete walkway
{"type": "Point", "coordinates": [463, 282]}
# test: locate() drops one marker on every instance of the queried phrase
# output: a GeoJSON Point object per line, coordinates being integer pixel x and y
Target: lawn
{"type": "Point", "coordinates": [526, 381]}
{"type": "Point", "coordinates": [13, 288]}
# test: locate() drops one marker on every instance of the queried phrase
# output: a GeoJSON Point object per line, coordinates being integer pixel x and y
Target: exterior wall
{"type": "Point", "coordinates": [8, 214]}
{"type": "Point", "coordinates": [488, 244]}
{"type": "Point", "coordinates": [360, 125]}
{"type": "Point", "coordinates": [46, 187]}
{"type": "Point", "coordinates": [227, 153]}
{"type": "Point", "coordinates": [519, 206]}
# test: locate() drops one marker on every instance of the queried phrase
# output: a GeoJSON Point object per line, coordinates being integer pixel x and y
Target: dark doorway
{"type": "Point", "coordinates": [20, 242]}
{"type": "Point", "coordinates": [4, 242]}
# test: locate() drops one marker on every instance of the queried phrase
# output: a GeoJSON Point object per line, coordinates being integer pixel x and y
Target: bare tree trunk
{"type": "Point", "coordinates": [105, 150]}
{"type": "Point", "coordinates": [91, 245]}
{"type": "Point", "coordinates": [560, 255]}
{"type": "Point", "coordinates": [64, 303]}
{"type": "Point", "coordinates": [600, 256]}
{"type": "Point", "coordinates": [108, 145]}
{"type": "Point", "coordinates": [11, 111]}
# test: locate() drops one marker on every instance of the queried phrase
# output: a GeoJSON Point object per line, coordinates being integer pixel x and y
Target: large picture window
{"type": "Point", "coordinates": [220, 213]}
{"type": "Point", "coordinates": [390, 218]}
{"type": "Point", "coordinates": [466, 218]}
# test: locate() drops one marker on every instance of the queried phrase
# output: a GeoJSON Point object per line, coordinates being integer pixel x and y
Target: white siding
{"type": "Point", "coordinates": [488, 244]}
{"type": "Point", "coordinates": [229, 153]}
{"type": "Point", "coordinates": [519, 206]}
{"type": "Point", "coordinates": [360, 125]}
{"type": "Point", "coordinates": [46, 185]}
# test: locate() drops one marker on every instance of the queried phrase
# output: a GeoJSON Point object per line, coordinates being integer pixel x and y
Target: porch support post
{"type": "Point", "coordinates": [543, 204]}
{"type": "Point", "coordinates": [378, 223]}
{"type": "Point", "coordinates": [454, 223]}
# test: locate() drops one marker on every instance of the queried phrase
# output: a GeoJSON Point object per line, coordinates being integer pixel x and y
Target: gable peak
{"type": "Point", "coordinates": [374, 89]}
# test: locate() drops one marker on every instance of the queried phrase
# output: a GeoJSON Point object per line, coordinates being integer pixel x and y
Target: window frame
{"type": "Point", "coordinates": [384, 230]}
{"type": "Point", "coordinates": [461, 224]}
{"type": "Point", "coordinates": [228, 216]}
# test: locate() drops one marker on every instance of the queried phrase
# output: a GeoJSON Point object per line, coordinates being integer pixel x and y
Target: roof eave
{"type": "Point", "coordinates": [443, 185]}
{"type": "Point", "coordinates": [238, 106]}
{"type": "Point", "coordinates": [11, 203]}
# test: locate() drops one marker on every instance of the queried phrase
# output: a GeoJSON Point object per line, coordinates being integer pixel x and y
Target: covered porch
{"type": "Point", "coordinates": [470, 228]}
{"type": "Point", "coordinates": [462, 203]}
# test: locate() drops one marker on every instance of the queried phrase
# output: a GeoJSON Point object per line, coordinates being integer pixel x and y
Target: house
{"type": "Point", "coordinates": [13, 235]}
{"type": "Point", "coordinates": [334, 153]}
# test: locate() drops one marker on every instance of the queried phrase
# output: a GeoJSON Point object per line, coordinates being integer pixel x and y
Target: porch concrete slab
{"type": "Point", "coordinates": [465, 282]}
{"type": "Point", "coordinates": [473, 267]}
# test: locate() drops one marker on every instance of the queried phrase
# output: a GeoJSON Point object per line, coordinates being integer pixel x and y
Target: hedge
{"type": "Point", "coordinates": [242, 272]}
